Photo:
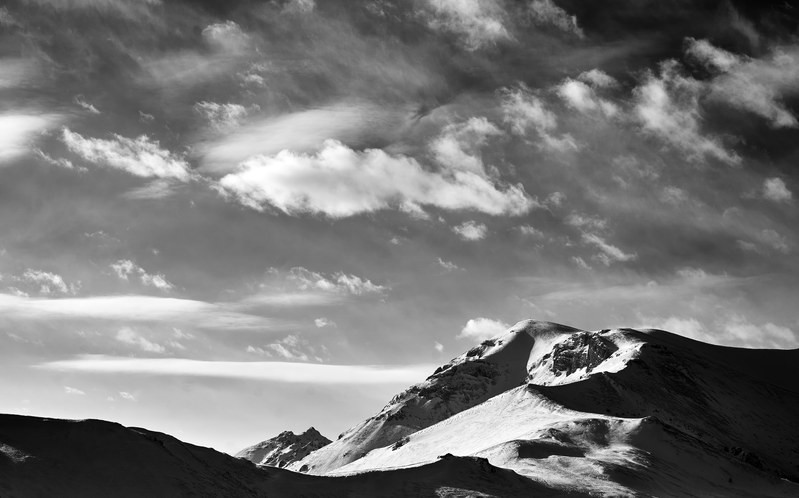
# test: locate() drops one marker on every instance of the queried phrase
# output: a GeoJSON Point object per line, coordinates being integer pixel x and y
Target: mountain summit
{"type": "Point", "coordinates": [285, 448]}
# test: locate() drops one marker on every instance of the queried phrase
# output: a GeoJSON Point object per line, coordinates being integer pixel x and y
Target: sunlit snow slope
{"type": "Point", "coordinates": [610, 412]}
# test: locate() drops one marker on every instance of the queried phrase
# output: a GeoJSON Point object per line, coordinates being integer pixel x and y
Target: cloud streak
{"type": "Point", "coordinates": [288, 372]}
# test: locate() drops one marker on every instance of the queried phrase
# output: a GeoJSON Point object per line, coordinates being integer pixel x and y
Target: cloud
{"type": "Point", "coordinates": [85, 105]}
{"type": "Point", "coordinates": [448, 265]}
{"type": "Point", "coordinates": [221, 117]}
{"type": "Point", "coordinates": [140, 157]}
{"type": "Point", "coordinates": [667, 106]}
{"type": "Point", "coordinates": [754, 85]}
{"type": "Point", "coordinates": [438, 347]}
{"type": "Point", "coordinates": [477, 23]}
{"type": "Point", "coordinates": [340, 182]}
{"type": "Point", "coordinates": [774, 189]}
{"type": "Point", "coordinates": [482, 328]}
{"type": "Point", "coordinates": [609, 253]}
{"type": "Point", "coordinates": [291, 348]}
{"type": "Point", "coordinates": [124, 268]}
{"type": "Point", "coordinates": [338, 282]}
{"type": "Point", "coordinates": [73, 390]}
{"type": "Point", "coordinates": [288, 372]}
{"type": "Point", "coordinates": [44, 283]}
{"type": "Point", "coordinates": [61, 162]}
{"type": "Point", "coordinates": [584, 99]}
{"type": "Point", "coordinates": [127, 396]}
{"type": "Point", "coordinates": [523, 110]}
{"type": "Point", "coordinates": [731, 330]}
{"type": "Point", "coordinates": [301, 131]}
{"type": "Point", "coordinates": [323, 322]}
{"type": "Point", "coordinates": [19, 131]}
{"type": "Point", "coordinates": [135, 309]}
{"type": "Point", "coordinates": [458, 146]}
{"type": "Point", "coordinates": [226, 37]}
{"type": "Point", "coordinates": [711, 57]}
{"type": "Point", "coordinates": [530, 231]}
{"type": "Point", "coordinates": [546, 13]}
{"type": "Point", "coordinates": [598, 79]}
{"type": "Point", "coordinates": [774, 240]}
{"type": "Point", "coordinates": [127, 335]}
{"type": "Point", "coordinates": [471, 230]}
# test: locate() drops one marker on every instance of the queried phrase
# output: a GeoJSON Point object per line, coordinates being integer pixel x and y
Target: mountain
{"type": "Point", "coordinates": [477, 375]}
{"type": "Point", "coordinates": [285, 448]}
{"type": "Point", "coordinates": [42, 457]}
{"type": "Point", "coordinates": [614, 412]}
{"type": "Point", "coordinates": [541, 410]}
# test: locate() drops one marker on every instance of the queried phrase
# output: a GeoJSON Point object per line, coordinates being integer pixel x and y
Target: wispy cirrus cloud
{"type": "Point", "coordinates": [294, 373]}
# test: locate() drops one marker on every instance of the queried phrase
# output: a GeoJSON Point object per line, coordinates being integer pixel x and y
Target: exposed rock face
{"type": "Point", "coordinates": [285, 448]}
{"type": "Point", "coordinates": [583, 350]}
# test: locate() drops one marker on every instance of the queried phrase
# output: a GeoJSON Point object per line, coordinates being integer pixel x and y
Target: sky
{"type": "Point", "coordinates": [223, 220]}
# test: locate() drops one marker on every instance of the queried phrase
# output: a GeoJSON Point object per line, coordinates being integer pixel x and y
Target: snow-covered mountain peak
{"type": "Point", "coordinates": [285, 448]}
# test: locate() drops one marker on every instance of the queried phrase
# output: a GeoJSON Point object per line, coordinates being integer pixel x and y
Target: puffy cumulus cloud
{"type": "Point", "coordinates": [141, 156]}
{"type": "Point", "coordinates": [459, 144]}
{"type": "Point", "coordinates": [73, 390]}
{"type": "Point", "coordinates": [768, 335]}
{"type": "Point", "coordinates": [774, 189]}
{"type": "Point", "coordinates": [667, 106]}
{"type": "Point", "coordinates": [734, 330]}
{"type": "Point", "coordinates": [226, 37]}
{"type": "Point", "coordinates": [19, 131]}
{"type": "Point", "coordinates": [340, 182]}
{"type": "Point", "coordinates": [339, 282]}
{"type": "Point", "coordinates": [42, 283]}
{"type": "Point", "coordinates": [523, 110]}
{"type": "Point", "coordinates": [476, 22]}
{"type": "Point", "coordinates": [447, 265]}
{"type": "Point", "coordinates": [754, 85]}
{"type": "Point", "coordinates": [130, 337]}
{"type": "Point", "coordinates": [598, 79]}
{"type": "Point", "coordinates": [530, 231]}
{"type": "Point", "coordinates": [125, 268]}
{"type": "Point", "coordinates": [291, 348]}
{"type": "Point", "coordinates": [582, 97]}
{"type": "Point", "coordinates": [482, 328]}
{"type": "Point", "coordinates": [299, 6]}
{"type": "Point", "coordinates": [546, 13]}
{"type": "Point", "coordinates": [323, 322]}
{"type": "Point", "coordinates": [471, 230]}
{"type": "Point", "coordinates": [710, 56]}
{"type": "Point", "coordinates": [774, 240]}
{"type": "Point", "coordinates": [438, 347]}
{"type": "Point", "coordinates": [221, 117]}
